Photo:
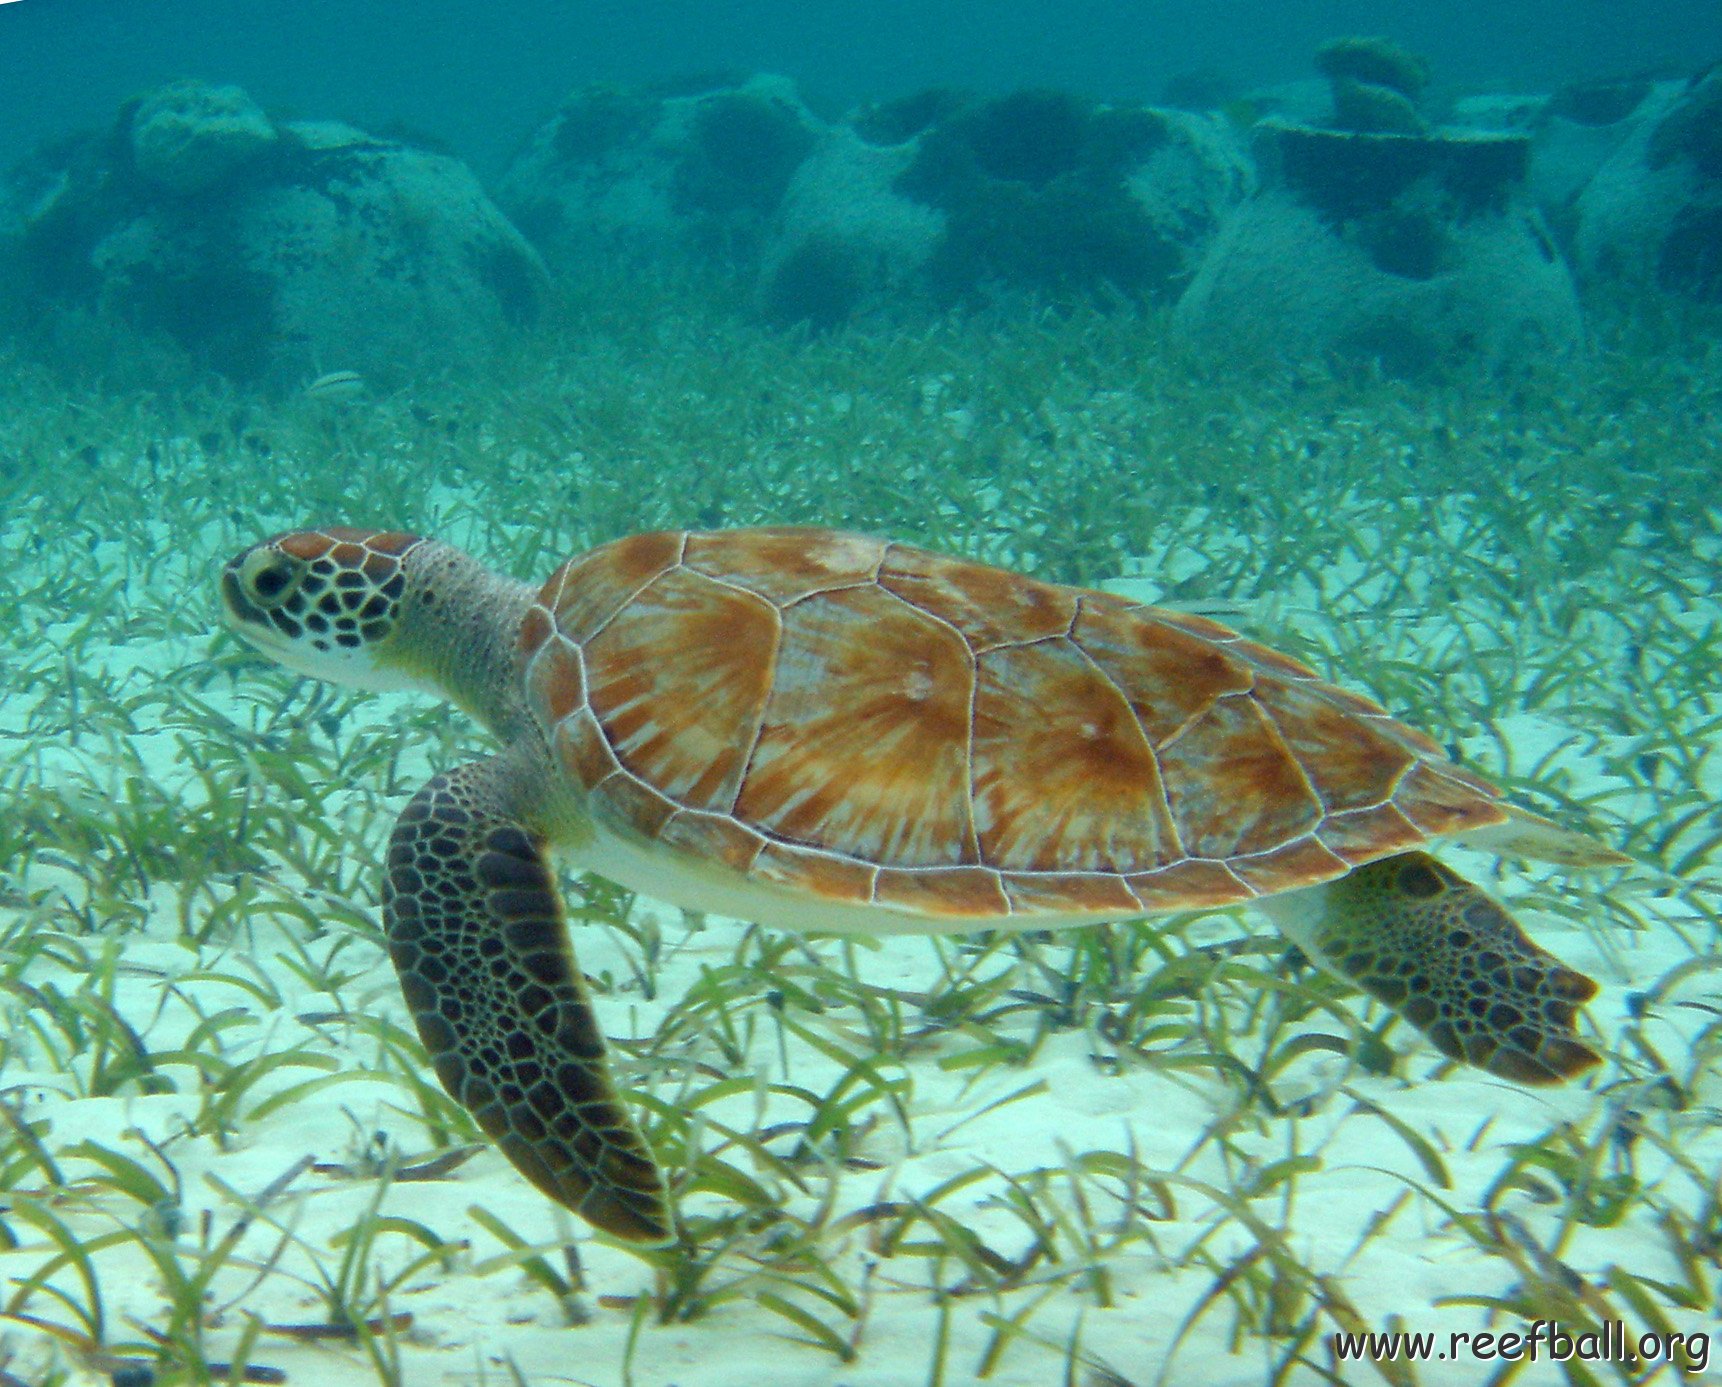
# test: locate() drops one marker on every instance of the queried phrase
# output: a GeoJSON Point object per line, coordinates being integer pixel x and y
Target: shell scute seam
{"type": "Point", "coordinates": [1147, 740]}
{"type": "Point", "coordinates": [971, 833]}
{"type": "Point", "coordinates": [633, 594]}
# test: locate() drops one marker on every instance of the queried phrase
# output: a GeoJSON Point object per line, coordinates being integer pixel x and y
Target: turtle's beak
{"type": "Point", "coordinates": [238, 612]}
{"type": "Point", "coordinates": [233, 603]}
{"type": "Point", "coordinates": [246, 619]}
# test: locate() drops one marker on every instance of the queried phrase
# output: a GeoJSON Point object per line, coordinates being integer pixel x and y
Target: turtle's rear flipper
{"type": "Point", "coordinates": [1419, 937]}
{"type": "Point", "coordinates": [477, 934]}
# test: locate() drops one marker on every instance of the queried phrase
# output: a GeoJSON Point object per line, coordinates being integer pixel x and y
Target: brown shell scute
{"type": "Point", "coordinates": [586, 592]}
{"type": "Point", "coordinates": [688, 737]}
{"type": "Point", "coordinates": [988, 606]}
{"type": "Point", "coordinates": [1349, 762]}
{"type": "Point", "coordinates": [864, 743]}
{"type": "Point", "coordinates": [866, 722]}
{"type": "Point", "coordinates": [1046, 717]}
{"type": "Point", "coordinates": [1234, 785]}
{"type": "Point", "coordinates": [1170, 676]}
{"type": "Point", "coordinates": [785, 568]}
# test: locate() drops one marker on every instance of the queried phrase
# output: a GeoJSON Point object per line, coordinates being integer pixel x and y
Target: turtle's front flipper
{"type": "Point", "coordinates": [1419, 937]}
{"type": "Point", "coordinates": [476, 930]}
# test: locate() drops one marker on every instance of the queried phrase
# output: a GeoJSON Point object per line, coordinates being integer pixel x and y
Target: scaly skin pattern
{"type": "Point", "coordinates": [474, 922]}
{"type": "Point", "coordinates": [477, 934]}
{"type": "Point", "coordinates": [829, 730]}
{"type": "Point", "coordinates": [1417, 936]}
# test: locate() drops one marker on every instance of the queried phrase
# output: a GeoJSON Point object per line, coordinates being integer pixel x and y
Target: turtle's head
{"type": "Point", "coordinates": [378, 609]}
{"type": "Point", "coordinates": [327, 603]}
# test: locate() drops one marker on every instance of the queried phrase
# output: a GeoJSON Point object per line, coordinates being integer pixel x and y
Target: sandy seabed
{"type": "Point", "coordinates": [951, 1161]}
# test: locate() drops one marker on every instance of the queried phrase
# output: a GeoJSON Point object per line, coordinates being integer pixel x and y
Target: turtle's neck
{"type": "Point", "coordinates": [459, 635]}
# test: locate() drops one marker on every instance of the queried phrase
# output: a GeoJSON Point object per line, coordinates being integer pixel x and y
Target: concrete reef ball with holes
{"type": "Point", "coordinates": [827, 731]}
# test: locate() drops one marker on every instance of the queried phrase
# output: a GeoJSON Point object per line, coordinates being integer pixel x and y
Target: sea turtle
{"type": "Point", "coordinates": [821, 730]}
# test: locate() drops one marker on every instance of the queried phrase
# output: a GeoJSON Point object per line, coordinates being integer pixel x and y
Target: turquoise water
{"type": "Point", "coordinates": [1141, 1151]}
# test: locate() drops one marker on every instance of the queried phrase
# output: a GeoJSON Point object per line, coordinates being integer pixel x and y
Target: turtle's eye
{"type": "Point", "coordinates": [268, 577]}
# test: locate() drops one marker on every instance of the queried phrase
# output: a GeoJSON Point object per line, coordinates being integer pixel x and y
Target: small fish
{"type": "Point", "coordinates": [336, 385]}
